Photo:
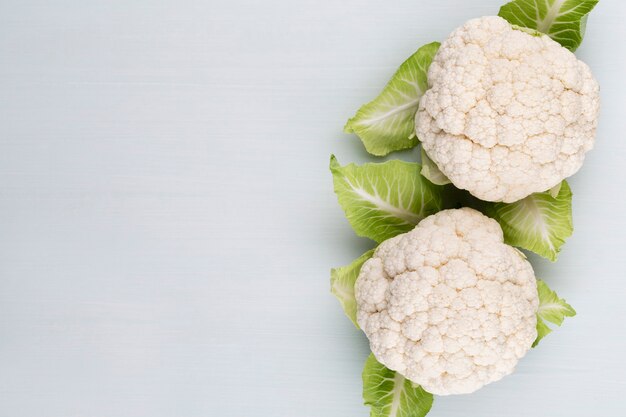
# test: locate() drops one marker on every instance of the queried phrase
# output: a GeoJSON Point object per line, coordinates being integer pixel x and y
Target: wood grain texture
{"type": "Point", "coordinates": [167, 222]}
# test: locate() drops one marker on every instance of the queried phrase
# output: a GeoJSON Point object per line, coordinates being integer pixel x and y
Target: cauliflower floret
{"type": "Point", "coordinates": [448, 305]}
{"type": "Point", "coordinates": [507, 113]}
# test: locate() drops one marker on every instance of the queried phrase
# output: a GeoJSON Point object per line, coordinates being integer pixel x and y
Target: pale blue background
{"type": "Point", "coordinates": [167, 222]}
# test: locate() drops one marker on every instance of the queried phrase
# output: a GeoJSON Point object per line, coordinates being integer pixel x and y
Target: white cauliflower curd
{"type": "Point", "coordinates": [508, 112]}
{"type": "Point", "coordinates": [448, 305]}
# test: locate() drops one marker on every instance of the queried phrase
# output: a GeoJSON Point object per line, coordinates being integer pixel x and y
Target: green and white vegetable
{"type": "Point", "coordinates": [504, 113]}
{"type": "Point", "coordinates": [449, 305]}
{"type": "Point", "coordinates": [507, 114]}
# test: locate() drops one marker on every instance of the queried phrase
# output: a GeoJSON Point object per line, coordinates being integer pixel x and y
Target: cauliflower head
{"type": "Point", "coordinates": [508, 113]}
{"type": "Point", "coordinates": [448, 305]}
